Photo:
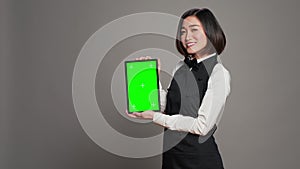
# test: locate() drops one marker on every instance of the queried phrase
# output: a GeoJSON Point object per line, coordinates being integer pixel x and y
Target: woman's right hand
{"type": "Point", "coordinates": [149, 57]}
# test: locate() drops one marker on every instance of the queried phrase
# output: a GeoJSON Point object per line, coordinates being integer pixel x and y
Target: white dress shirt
{"type": "Point", "coordinates": [211, 109]}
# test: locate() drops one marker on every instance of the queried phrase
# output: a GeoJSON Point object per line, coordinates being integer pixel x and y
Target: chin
{"type": "Point", "coordinates": [190, 52]}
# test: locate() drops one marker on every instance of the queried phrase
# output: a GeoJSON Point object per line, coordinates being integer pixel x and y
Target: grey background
{"type": "Point", "coordinates": [40, 41]}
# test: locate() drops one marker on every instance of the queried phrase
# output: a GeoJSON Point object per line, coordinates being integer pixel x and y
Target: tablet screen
{"type": "Point", "coordinates": [142, 85]}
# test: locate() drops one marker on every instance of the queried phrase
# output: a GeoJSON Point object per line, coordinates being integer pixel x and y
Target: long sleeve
{"type": "Point", "coordinates": [163, 95]}
{"type": "Point", "coordinates": [210, 110]}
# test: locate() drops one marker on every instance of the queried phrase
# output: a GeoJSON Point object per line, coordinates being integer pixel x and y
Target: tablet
{"type": "Point", "coordinates": [142, 85]}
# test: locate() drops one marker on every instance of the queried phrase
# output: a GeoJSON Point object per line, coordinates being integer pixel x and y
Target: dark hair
{"type": "Point", "coordinates": [216, 38]}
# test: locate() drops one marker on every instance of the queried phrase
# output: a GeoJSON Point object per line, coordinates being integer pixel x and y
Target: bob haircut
{"type": "Point", "coordinates": [216, 38]}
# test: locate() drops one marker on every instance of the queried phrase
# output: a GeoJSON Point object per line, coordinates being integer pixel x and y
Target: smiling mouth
{"type": "Point", "coordinates": [188, 45]}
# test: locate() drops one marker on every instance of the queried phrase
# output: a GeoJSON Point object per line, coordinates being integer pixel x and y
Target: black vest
{"type": "Point", "coordinates": [185, 95]}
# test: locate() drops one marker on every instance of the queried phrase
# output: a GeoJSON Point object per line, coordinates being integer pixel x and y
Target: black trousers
{"type": "Point", "coordinates": [189, 154]}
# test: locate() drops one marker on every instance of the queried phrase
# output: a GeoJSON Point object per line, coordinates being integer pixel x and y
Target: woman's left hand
{"type": "Point", "coordinates": [142, 115]}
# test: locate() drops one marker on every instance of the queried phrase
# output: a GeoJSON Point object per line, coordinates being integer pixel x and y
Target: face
{"type": "Point", "coordinates": [193, 37]}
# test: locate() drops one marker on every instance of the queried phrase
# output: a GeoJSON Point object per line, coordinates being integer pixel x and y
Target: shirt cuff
{"type": "Point", "coordinates": [159, 118]}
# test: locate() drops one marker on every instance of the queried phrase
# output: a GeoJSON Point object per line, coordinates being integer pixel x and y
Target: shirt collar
{"type": "Point", "coordinates": [206, 57]}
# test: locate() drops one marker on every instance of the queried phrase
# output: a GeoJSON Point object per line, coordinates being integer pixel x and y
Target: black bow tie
{"type": "Point", "coordinates": [191, 63]}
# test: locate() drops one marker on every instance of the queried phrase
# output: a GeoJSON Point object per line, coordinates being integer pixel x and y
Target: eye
{"type": "Point", "coordinates": [182, 32]}
{"type": "Point", "coordinates": [194, 30]}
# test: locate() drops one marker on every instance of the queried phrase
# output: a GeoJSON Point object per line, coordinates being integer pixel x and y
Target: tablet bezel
{"type": "Point", "coordinates": [157, 82]}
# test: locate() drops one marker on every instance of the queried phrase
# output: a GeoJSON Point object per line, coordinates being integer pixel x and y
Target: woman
{"type": "Point", "coordinates": [196, 96]}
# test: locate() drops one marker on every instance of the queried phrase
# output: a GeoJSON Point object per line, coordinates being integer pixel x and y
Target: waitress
{"type": "Point", "coordinates": [194, 102]}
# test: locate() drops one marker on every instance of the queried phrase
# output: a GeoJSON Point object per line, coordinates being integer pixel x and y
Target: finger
{"type": "Point", "coordinates": [148, 57]}
{"type": "Point", "coordinates": [131, 115]}
{"type": "Point", "coordinates": [158, 65]}
{"type": "Point", "coordinates": [137, 114]}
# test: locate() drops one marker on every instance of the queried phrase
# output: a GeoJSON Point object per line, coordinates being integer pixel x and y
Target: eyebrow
{"type": "Point", "coordinates": [191, 26]}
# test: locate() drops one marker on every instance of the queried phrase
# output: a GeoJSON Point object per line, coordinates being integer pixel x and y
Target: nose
{"type": "Point", "coordinates": [188, 35]}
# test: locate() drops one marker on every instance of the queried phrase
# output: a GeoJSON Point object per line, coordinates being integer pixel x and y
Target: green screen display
{"type": "Point", "coordinates": [142, 85]}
